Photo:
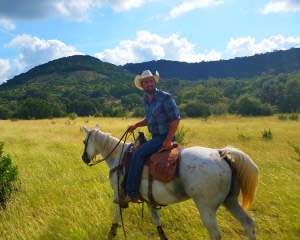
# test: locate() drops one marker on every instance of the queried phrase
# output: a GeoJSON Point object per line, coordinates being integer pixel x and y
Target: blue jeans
{"type": "Point", "coordinates": [138, 159]}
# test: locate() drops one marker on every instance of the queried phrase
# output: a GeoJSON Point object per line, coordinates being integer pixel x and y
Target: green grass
{"type": "Point", "coordinates": [61, 198]}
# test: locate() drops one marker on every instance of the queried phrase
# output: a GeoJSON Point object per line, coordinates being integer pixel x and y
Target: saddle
{"type": "Point", "coordinates": [161, 165]}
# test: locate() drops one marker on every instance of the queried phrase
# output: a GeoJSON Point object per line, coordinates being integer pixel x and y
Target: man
{"type": "Point", "coordinates": [162, 119]}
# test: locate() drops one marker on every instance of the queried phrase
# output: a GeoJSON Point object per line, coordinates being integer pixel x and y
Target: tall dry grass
{"type": "Point", "coordinates": [61, 198]}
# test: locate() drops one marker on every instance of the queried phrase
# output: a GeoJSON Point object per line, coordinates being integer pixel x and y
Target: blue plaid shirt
{"type": "Point", "coordinates": [160, 112]}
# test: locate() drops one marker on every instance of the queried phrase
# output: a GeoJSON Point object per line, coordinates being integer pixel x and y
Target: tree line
{"type": "Point", "coordinates": [265, 94]}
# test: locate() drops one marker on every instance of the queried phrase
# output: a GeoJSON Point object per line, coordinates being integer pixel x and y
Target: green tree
{"type": "Point", "coordinates": [250, 106]}
{"type": "Point", "coordinates": [33, 108]}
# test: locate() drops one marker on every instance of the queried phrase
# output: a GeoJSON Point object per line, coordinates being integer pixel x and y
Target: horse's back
{"type": "Point", "coordinates": [204, 173]}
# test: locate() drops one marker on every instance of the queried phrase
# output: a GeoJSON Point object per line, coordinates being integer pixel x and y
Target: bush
{"type": "Point", "coordinates": [267, 134]}
{"type": "Point", "coordinates": [180, 135]}
{"type": "Point", "coordinates": [251, 106]}
{"type": "Point", "coordinates": [294, 117]}
{"type": "Point", "coordinates": [8, 177]}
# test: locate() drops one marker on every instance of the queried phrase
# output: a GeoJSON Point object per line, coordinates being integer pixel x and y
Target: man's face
{"type": "Point", "coordinates": [148, 84]}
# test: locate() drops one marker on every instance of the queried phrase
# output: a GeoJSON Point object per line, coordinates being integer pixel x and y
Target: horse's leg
{"type": "Point", "coordinates": [208, 216]}
{"type": "Point", "coordinates": [115, 223]}
{"type": "Point", "coordinates": [156, 221]}
{"type": "Point", "coordinates": [239, 213]}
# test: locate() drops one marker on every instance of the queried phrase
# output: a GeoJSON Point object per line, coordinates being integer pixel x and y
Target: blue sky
{"type": "Point", "coordinates": [33, 32]}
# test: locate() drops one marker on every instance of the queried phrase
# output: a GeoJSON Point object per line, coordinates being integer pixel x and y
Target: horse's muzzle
{"type": "Point", "coordinates": [85, 158]}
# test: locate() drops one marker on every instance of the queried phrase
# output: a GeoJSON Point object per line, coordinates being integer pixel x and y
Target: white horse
{"type": "Point", "coordinates": [210, 177]}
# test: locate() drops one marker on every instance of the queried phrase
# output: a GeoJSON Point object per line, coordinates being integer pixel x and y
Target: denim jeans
{"type": "Point", "coordinates": [138, 159]}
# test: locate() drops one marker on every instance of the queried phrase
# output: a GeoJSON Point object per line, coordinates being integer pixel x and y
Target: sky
{"type": "Point", "coordinates": [33, 32]}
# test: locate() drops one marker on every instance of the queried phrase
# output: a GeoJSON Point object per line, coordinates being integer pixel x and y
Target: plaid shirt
{"type": "Point", "coordinates": [160, 112]}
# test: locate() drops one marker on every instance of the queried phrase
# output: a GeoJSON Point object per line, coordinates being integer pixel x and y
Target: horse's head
{"type": "Point", "coordinates": [89, 151]}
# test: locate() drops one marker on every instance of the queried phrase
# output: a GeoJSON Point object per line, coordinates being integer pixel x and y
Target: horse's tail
{"type": "Point", "coordinates": [247, 173]}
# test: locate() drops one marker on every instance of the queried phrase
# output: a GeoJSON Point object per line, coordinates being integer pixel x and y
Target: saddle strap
{"type": "Point", "coordinates": [152, 201]}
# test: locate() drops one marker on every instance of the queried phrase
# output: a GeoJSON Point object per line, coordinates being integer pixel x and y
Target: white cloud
{"type": "Point", "coordinates": [148, 46]}
{"type": "Point", "coordinates": [4, 70]}
{"type": "Point", "coordinates": [34, 51]}
{"type": "Point", "coordinates": [277, 6]}
{"type": "Point", "coordinates": [121, 5]}
{"type": "Point", "coordinates": [190, 5]}
{"type": "Point", "coordinates": [248, 46]}
{"type": "Point", "coordinates": [7, 24]}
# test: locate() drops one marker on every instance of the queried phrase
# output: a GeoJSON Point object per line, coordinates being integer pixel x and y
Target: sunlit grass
{"type": "Point", "coordinates": [61, 198]}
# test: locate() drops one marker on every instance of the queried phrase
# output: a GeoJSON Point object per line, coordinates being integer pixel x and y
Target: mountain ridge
{"type": "Point", "coordinates": [281, 61]}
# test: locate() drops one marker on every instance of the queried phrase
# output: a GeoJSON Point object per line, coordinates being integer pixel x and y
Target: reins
{"type": "Point", "coordinates": [125, 135]}
{"type": "Point", "coordinates": [117, 168]}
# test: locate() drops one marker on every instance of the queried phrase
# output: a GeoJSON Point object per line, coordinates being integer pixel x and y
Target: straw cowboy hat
{"type": "Point", "coordinates": [147, 73]}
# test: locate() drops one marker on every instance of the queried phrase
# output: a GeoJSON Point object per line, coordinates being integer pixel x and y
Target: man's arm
{"type": "Point", "coordinates": [141, 123]}
{"type": "Point", "coordinates": [167, 144]}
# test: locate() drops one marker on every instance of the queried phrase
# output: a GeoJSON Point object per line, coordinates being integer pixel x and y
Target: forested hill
{"type": "Point", "coordinates": [243, 67]}
{"type": "Point", "coordinates": [86, 86]}
{"type": "Point", "coordinates": [79, 65]}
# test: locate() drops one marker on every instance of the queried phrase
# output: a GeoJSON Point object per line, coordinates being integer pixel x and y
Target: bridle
{"type": "Point", "coordinates": [85, 156]}
{"type": "Point", "coordinates": [85, 142]}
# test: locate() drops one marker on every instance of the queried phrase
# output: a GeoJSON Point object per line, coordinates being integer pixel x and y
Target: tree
{"type": "Point", "coordinates": [196, 109]}
{"type": "Point", "coordinates": [250, 106]}
{"type": "Point", "coordinates": [34, 109]}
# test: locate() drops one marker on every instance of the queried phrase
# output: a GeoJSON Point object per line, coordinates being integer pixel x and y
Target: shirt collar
{"type": "Point", "coordinates": [154, 95]}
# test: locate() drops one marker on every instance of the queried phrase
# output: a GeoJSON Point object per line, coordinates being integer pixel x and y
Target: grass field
{"type": "Point", "coordinates": [61, 198]}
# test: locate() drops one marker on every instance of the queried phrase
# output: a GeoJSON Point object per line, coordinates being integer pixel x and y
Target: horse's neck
{"type": "Point", "coordinates": [106, 143]}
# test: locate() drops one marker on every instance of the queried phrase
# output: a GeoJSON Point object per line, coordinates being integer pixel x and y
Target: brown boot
{"type": "Point", "coordinates": [123, 200]}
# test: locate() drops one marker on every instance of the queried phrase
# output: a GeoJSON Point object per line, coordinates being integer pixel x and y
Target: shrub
{"type": "Point", "coordinates": [180, 135]}
{"type": "Point", "coordinates": [72, 116]}
{"type": "Point", "coordinates": [267, 134]}
{"type": "Point", "coordinates": [294, 117]}
{"type": "Point", "coordinates": [296, 150]}
{"type": "Point", "coordinates": [282, 117]}
{"type": "Point", "coordinates": [8, 177]}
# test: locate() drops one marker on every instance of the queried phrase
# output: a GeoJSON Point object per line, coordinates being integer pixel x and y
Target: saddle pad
{"type": "Point", "coordinates": [162, 165]}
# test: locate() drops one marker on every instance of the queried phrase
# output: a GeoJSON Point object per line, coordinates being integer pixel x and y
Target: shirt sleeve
{"type": "Point", "coordinates": [171, 108]}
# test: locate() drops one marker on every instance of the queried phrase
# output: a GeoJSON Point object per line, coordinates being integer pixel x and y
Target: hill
{"type": "Point", "coordinates": [244, 67]}
{"type": "Point", "coordinates": [85, 86]}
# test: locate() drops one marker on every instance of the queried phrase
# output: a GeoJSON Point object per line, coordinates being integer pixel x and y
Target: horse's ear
{"type": "Point", "coordinates": [84, 129]}
{"type": "Point", "coordinates": [97, 127]}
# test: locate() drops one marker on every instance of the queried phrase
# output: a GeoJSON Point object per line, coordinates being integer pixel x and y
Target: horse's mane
{"type": "Point", "coordinates": [108, 141]}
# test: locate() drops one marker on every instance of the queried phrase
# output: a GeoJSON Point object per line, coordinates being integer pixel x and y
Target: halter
{"type": "Point", "coordinates": [125, 135]}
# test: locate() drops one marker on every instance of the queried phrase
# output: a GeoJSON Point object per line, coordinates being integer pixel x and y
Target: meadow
{"type": "Point", "coordinates": [59, 197]}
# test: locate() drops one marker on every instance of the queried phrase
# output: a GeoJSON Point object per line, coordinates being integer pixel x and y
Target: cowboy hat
{"type": "Point", "coordinates": [147, 73]}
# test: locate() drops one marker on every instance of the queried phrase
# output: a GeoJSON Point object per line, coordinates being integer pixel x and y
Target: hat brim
{"type": "Point", "coordinates": [138, 80]}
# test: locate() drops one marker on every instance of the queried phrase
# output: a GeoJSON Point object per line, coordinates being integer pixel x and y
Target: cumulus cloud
{"type": "Point", "coordinates": [190, 5]}
{"type": "Point", "coordinates": [148, 46]}
{"type": "Point", "coordinates": [34, 51]}
{"type": "Point", "coordinates": [7, 24]}
{"type": "Point", "coordinates": [248, 46]}
{"type": "Point", "coordinates": [72, 9]}
{"type": "Point", "coordinates": [277, 6]}
{"type": "Point", "coordinates": [4, 70]}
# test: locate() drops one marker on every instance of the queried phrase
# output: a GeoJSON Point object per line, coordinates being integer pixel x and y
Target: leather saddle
{"type": "Point", "coordinates": [162, 165]}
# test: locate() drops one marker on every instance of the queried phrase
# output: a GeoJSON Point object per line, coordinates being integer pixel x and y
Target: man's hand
{"type": "Point", "coordinates": [132, 127]}
{"type": "Point", "coordinates": [167, 144]}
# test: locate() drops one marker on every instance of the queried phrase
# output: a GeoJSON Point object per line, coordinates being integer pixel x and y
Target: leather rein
{"type": "Point", "coordinates": [125, 135]}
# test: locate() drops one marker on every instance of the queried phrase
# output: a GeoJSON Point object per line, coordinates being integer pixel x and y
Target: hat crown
{"type": "Point", "coordinates": [146, 73]}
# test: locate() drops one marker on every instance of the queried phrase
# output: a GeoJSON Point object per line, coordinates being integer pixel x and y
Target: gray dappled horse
{"type": "Point", "coordinates": [210, 177]}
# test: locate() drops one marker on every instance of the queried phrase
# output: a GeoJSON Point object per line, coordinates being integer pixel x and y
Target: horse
{"type": "Point", "coordinates": [210, 177]}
